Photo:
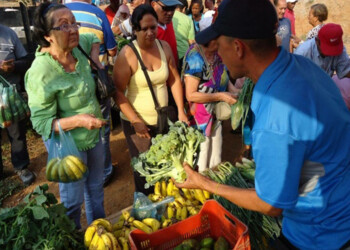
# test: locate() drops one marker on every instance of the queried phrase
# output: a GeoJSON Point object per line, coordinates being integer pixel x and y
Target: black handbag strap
{"type": "Point", "coordinates": [87, 56]}
{"type": "Point", "coordinates": [144, 69]}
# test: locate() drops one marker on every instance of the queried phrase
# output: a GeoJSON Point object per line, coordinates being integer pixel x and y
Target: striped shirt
{"type": "Point", "coordinates": [94, 20]}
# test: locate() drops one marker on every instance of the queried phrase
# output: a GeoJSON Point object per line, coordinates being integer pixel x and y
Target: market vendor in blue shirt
{"type": "Point", "coordinates": [300, 136]}
{"type": "Point", "coordinates": [327, 51]}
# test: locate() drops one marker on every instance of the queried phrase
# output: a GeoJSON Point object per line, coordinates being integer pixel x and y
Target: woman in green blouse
{"type": "Point", "coordinates": [60, 87]}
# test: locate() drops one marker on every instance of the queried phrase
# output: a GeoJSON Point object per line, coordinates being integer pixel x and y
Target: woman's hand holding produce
{"type": "Point", "coordinates": [228, 97]}
{"type": "Point", "coordinates": [183, 117]}
{"type": "Point", "coordinates": [90, 121]}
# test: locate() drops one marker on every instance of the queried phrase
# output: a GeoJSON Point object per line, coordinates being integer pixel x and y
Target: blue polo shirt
{"type": "Point", "coordinates": [301, 146]}
{"type": "Point", "coordinates": [94, 20]}
{"type": "Point", "coordinates": [340, 64]}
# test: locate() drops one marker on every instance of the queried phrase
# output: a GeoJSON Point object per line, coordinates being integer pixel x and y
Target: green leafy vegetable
{"type": "Point", "coordinates": [261, 227]}
{"type": "Point", "coordinates": [167, 153]}
{"type": "Point", "coordinates": [38, 223]}
{"type": "Point", "coordinates": [239, 110]}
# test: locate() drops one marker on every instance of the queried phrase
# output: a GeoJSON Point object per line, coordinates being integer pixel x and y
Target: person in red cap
{"type": "Point", "coordinates": [327, 51]}
{"type": "Point", "coordinates": [300, 134]}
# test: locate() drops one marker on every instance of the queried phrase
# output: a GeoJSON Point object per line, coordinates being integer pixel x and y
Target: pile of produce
{"type": "Point", "coordinates": [12, 106]}
{"type": "Point", "coordinates": [205, 244]}
{"type": "Point", "coordinates": [167, 153]}
{"type": "Point", "coordinates": [38, 223]}
{"type": "Point", "coordinates": [261, 227]}
{"type": "Point", "coordinates": [99, 236]}
{"type": "Point", "coordinates": [68, 169]}
{"type": "Point", "coordinates": [239, 110]}
{"type": "Point", "coordinates": [187, 202]}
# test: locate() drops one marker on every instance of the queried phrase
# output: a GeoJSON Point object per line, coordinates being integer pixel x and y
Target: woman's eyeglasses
{"type": "Point", "coordinates": [167, 8]}
{"type": "Point", "coordinates": [67, 27]}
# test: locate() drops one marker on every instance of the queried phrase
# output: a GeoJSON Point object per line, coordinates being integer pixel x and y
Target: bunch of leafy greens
{"type": "Point", "coordinates": [167, 153]}
{"type": "Point", "coordinates": [38, 223]}
{"type": "Point", "coordinates": [262, 228]}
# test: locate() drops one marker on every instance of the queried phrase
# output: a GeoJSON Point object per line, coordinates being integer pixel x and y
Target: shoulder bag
{"type": "Point", "coordinates": [104, 83]}
{"type": "Point", "coordinates": [164, 113]}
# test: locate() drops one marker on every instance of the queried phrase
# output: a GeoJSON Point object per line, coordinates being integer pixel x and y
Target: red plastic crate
{"type": "Point", "coordinates": [212, 221]}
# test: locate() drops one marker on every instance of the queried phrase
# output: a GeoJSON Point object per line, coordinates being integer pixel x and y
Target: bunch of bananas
{"type": "Point", "coordinates": [68, 169]}
{"type": "Point", "coordinates": [99, 236]}
{"type": "Point", "coordinates": [187, 201]}
{"type": "Point", "coordinates": [126, 223]}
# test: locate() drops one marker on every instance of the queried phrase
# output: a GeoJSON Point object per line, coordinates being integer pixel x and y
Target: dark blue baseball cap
{"type": "Point", "coordinates": [245, 19]}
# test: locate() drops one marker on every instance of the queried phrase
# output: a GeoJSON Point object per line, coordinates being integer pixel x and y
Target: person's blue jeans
{"type": "Point", "coordinates": [90, 188]}
{"type": "Point", "coordinates": [105, 106]}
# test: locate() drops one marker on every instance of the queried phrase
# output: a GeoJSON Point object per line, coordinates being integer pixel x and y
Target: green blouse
{"type": "Point", "coordinates": [54, 93]}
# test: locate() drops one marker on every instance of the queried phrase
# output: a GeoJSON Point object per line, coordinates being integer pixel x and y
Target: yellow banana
{"type": "Point", "coordinates": [68, 171]}
{"type": "Point", "coordinates": [183, 213]}
{"type": "Point", "coordinates": [124, 243]}
{"type": "Point", "coordinates": [61, 173]}
{"type": "Point", "coordinates": [54, 172]}
{"type": "Point", "coordinates": [175, 191]}
{"type": "Point", "coordinates": [126, 214]}
{"type": "Point", "coordinates": [153, 223]}
{"type": "Point", "coordinates": [104, 223]}
{"type": "Point", "coordinates": [142, 226]}
{"type": "Point", "coordinates": [50, 165]}
{"type": "Point", "coordinates": [177, 204]}
{"type": "Point", "coordinates": [74, 168]}
{"type": "Point", "coordinates": [77, 162]}
{"type": "Point", "coordinates": [163, 188]}
{"type": "Point", "coordinates": [207, 194]}
{"type": "Point", "coordinates": [118, 225]}
{"type": "Point", "coordinates": [107, 242]}
{"type": "Point", "coordinates": [187, 193]}
{"type": "Point", "coordinates": [166, 223]}
{"type": "Point", "coordinates": [200, 195]}
{"type": "Point", "coordinates": [100, 244]}
{"type": "Point", "coordinates": [115, 243]}
{"type": "Point", "coordinates": [178, 213]}
{"type": "Point", "coordinates": [154, 197]}
{"type": "Point", "coordinates": [95, 241]}
{"type": "Point", "coordinates": [169, 189]}
{"type": "Point", "coordinates": [192, 210]}
{"type": "Point", "coordinates": [157, 188]}
{"type": "Point", "coordinates": [180, 200]}
{"type": "Point", "coordinates": [89, 234]}
{"type": "Point", "coordinates": [131, 219]}
{"type": "Point", "coordinates": [170, 212]}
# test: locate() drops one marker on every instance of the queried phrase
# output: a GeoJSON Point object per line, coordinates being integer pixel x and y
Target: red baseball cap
{"type": "Point", "coordinates": [331, 42]}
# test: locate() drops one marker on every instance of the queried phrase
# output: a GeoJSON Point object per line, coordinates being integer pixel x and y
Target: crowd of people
{"type": "Point", "coordinates": [195, 57]}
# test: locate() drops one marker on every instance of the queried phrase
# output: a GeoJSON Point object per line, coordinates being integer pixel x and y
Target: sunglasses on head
{"type": "Point", "coordinates": [166, 8]}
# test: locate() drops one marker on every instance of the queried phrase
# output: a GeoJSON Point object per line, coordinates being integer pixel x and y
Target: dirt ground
{"type": "Point", "coordinates": [119, 193]}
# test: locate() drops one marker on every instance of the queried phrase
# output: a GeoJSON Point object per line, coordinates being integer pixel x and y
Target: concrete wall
{"type": "Point", "coordinates": [338, 12]}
